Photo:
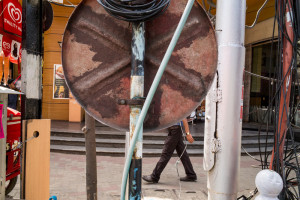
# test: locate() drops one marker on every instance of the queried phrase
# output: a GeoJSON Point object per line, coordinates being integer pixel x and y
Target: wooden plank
{"type": "Point", "coordinates": [58, 25]}
{"type": "Point", "coordinates": [51, 58]}
{"type": "Point", "coordinates": [266, 13]}
{"type": "Point", "coordinates": [76, 112]}
{"type": "Point", "coordinates": [260, 32]}
{"type": "Point", "coordinates": [48, 77]}
{"type": "Point", "coordinates": [48, 96]}
{"type": "Point", "coordinates": [51, 42]}
{"type": "Point", "coordinates": [37, 179]}
{"type": "Point", "coordinates": [75, 2]}
{"type": "Point", "coordinates": [55, 111]}
{"type": "Point", "coordinates": [61, 11]}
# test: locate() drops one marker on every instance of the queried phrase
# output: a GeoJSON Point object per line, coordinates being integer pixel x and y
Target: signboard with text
{"type": "Point", "coordinates": [12, 16]}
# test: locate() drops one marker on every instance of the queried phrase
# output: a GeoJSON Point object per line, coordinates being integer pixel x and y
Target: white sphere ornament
{"type": "Point", "coordinates": [269, 184]}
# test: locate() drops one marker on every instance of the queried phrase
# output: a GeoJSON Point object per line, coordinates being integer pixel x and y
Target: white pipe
{"type": "Point", "coordinates": [3, 100]}
{"type": "Point", "coordinates": [230, 30]}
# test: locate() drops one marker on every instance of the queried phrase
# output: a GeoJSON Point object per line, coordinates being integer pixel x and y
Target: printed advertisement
{"type": "Point", "coordinates": [60, 88]}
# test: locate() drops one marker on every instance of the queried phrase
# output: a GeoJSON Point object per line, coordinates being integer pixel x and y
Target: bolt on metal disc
{"type": "Point", "coordinates": [96, 56]}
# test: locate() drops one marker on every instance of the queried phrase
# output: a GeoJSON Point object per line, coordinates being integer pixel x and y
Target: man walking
{"type": "Point", "coordinates": [174, 141]}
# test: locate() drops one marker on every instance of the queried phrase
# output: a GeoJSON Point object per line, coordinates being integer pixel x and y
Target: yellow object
{"type": "Point", "coordinates": [37, 170]}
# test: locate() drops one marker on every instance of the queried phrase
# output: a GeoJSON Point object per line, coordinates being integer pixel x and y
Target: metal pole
{"type": "Point", "coordinates": [136, 91]}
{"type": "Point", "coordinates": [32, 59]}
{"type": "Point", "coordinates": [31, 67]}
{"type": "Point", "coordinates": [91, 158]}
{"type": "Point", "coordinates": [3, 99]}
{"type": "Point", "coordinates": [152, 90]}
{"type": "Point", "coordinates": [223, 123]}
{"type": "Point", "coordinates": [285, 92]}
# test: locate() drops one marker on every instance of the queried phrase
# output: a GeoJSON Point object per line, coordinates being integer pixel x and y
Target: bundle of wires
{"type": "Point", "coordinates": [135, 10]}
{"type": "Point", "coordinates": [289, 165]}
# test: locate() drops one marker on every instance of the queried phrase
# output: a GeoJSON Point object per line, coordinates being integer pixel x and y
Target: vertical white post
{"type": "Point", "coordinates": [3, 99]}
{"type": "Point", "coordinates": [223, 125]}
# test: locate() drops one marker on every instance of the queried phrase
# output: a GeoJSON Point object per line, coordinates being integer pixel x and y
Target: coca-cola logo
{"type": "Point", "coordinates": [6, 45]}
{"type": "Point", "coordinates": [14, 13]}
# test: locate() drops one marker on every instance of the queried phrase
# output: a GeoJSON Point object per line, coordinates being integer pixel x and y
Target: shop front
{"type": "Point", "coordinates": [57, 102]}
{"type": "Point", "coordinates": [10, 44]}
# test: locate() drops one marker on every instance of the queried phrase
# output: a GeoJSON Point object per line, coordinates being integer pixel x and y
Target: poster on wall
{"type": "Point", "coordinates": [60, 88]}
{"type": "Point", "coordinates": [15, 49]}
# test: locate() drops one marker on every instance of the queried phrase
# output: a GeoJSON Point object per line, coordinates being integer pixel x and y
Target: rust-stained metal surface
{"type": "Point", "coordinates": [96, 60]}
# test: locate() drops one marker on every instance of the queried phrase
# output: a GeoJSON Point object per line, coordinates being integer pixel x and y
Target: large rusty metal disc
{"type": "Point", "coordinates": [96, 59]}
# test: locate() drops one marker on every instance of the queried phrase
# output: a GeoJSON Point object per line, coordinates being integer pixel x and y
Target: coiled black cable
{"type": "Point", "coordinates": [135, 10]}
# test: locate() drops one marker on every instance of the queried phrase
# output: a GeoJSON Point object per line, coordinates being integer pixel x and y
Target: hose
{"type": "Point", "coordinates": [152, 91]}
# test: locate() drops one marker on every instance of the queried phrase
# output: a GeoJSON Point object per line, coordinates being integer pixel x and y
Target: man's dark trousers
{"type": "Point", "coordinates": [173, 141]}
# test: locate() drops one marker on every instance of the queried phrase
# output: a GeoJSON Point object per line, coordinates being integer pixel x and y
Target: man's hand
{"type": "Point", "coordinates": [190, 138]}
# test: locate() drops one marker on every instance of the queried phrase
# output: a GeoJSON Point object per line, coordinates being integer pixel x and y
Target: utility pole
{"type": "Point", "coordinates": [32, 59]}
{"type": "Point", "coordinates": [31, 67]}
{"type": "Point", "coordinates": [91, 158]}
{"type": "Point", "coordinates": [223, 120]}
{"type": "Point", "coordinates": [136, 93]}
{"type": "Point", "coordinates": [285, 90]}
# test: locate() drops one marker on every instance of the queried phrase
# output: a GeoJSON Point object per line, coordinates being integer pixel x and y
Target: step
{"type": "Point", "coordinates": [119, 143]}
{"type": "Point", "coordinates": [115, 151]}
{"type": "Point", "coordinates": [147, 144]}
{"type": "Point", "coordinates": [146, 152]}
{"type": "Point", "coordinates": [246, 135]}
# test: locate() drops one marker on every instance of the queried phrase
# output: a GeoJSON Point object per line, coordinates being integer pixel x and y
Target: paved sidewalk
{"type": "Point", "coordinates": [67, 178]}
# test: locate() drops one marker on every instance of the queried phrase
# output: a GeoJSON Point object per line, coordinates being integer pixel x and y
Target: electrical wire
{"type": "Point", "coordinates": [135, 10]}
{"type": "Point", "coordinates": [249, 154]}
{"type": "Point", "coordinates": [290, 162]}
{"type": "Point", "coordinates": [288, 167]}
{"type": "Point", "coordinates": [64, 5]}
{"type": "Point", "coordinates": [152, 91]}
{"type": "Point", "coordinates": [257, 15]}
{"type": "Point", "coordinates": [178, 160]}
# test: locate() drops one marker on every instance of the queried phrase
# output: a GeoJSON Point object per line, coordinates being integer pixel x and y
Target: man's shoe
{"type": "Point", "coordinates": [149, 179]}
{"type": "Point", "coordinates": [188, 179]}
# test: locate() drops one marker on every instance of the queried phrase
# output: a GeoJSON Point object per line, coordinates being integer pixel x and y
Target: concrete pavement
{"type": "Point", "coordinates": [67, 178]}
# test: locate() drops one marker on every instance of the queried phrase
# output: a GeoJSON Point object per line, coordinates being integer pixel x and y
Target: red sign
{"type": "Point", "coordinates": [6, 45]}
{"type": "Point", "coordinates": [12, 16]}
{"type": "Point", "coordinates": [1, 16]}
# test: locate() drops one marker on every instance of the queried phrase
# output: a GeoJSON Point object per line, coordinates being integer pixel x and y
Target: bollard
{"type": "Point", "coordinates": [269, 184]}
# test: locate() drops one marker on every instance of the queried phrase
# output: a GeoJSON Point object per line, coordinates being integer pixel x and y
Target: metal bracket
{"type": "Point", "coordinates": [216, 145]}
{"type": "Point", "coordinates": [132, 102]}
{"type": "Point", "coordinates": [216, 95]}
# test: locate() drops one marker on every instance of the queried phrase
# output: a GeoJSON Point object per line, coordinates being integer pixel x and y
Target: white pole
{"type": "Point", "coordinates": [3, 99]}
{"type": "Point", "coordinates": [223, 123]}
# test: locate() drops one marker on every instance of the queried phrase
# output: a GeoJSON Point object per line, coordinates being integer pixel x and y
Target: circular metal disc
{"type": "Point", "coordinates": [96, 58]}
